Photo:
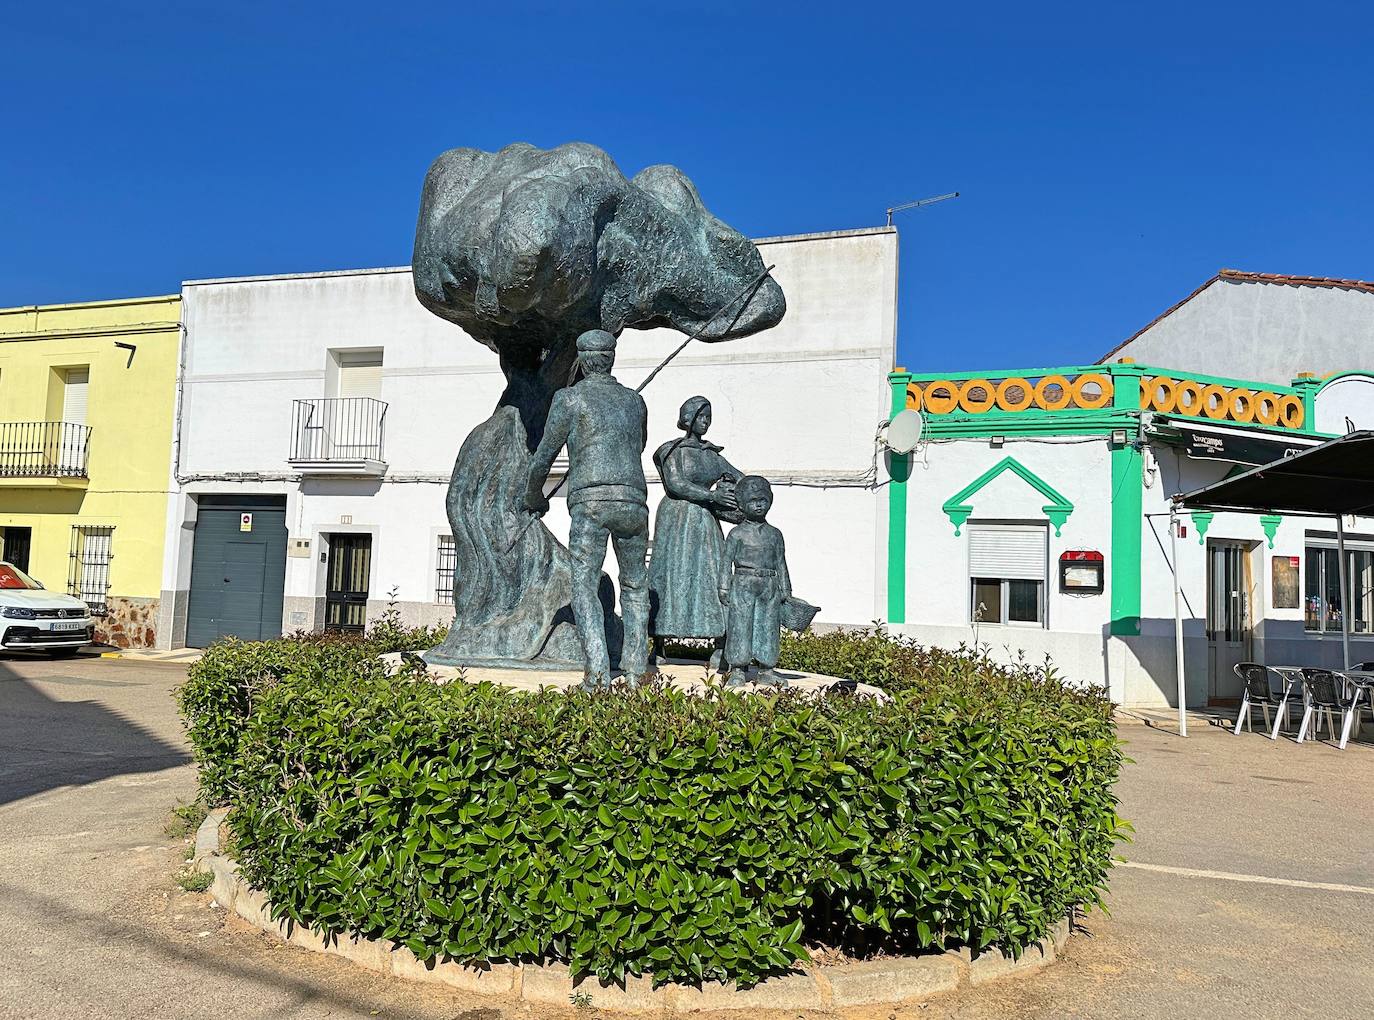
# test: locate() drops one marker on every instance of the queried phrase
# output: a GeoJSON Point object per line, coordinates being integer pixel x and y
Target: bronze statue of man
{"type": "Point", "coordinates": [605, 427]}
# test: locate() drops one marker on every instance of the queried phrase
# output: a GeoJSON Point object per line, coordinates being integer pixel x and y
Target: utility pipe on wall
{"type": "Point", "coordinates": [1178, 623]}
{"type": "Point", "coordinates": [1347, 603]}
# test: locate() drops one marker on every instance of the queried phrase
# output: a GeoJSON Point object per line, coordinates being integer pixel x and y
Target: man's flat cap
{"type": "Point", "coordinates": [596, 340]}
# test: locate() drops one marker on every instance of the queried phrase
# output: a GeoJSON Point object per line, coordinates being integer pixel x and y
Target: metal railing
{"type": "Point", "coordinates": [43, 449]}
{"type": "Point", "coordinates": [337, 429]}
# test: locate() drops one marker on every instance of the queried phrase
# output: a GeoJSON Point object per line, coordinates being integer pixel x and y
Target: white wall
{"type": "Point", "coordinates": [1345, 398]}
{"type": "Point", "coordinates": [1137, 670]}
{"type": "Point", "coordinates": [1262, 331]}
{"type": "Point", "coordinates": [799, 403]}
{"type": "Point", "coordinates": [937, 573]}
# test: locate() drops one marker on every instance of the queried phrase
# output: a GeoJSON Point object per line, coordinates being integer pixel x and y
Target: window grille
{"type": "Point", "coordinates": [88, 576]}
{"type": "Point", "coordinates": [447, 562]}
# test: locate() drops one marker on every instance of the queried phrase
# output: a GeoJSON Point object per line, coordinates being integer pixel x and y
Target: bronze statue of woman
{"type": "Point", "coordinates": [684, 569]}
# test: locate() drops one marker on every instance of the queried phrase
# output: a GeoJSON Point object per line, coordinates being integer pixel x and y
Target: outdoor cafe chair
{"type": "Point", "coordinates": [1360, 679]}
{"type": "Point", "coordinates": [1325, 696]}
{"type": "Point", "coordinates": [1291, 676]}
{"type": "Point", "coordinates": [1258, 694]}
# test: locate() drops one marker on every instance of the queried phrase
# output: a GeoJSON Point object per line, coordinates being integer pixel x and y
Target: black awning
{"type": "Point", "coordinates": [1334, 478]}
{"type": "Point", "coordinates": [1236, 447]}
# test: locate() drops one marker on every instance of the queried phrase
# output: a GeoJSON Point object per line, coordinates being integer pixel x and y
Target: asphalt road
{"type": "Point", "coordinates": [92, 923]}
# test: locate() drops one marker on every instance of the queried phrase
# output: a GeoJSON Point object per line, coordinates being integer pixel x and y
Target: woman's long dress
{"type": "Point", "coordinates": [684, 570]}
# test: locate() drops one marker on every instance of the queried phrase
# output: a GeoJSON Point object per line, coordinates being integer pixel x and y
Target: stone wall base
{"type": "Point", "coordinates": [876, 982]}
{"type": "Point", "coordinates": [129, 623]}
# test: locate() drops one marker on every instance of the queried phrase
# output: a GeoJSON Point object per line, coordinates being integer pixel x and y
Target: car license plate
{"type": "Point", "coordinates": [69, 626]}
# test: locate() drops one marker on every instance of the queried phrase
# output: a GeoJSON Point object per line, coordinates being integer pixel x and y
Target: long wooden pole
{"type": "Point", "coordinates": [747, 290]}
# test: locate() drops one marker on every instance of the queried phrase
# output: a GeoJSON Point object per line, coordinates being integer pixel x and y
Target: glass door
{"type": "Point", "coordinates": [349, 570]}
{"type": "Point", "coordinates": [1230, 600]}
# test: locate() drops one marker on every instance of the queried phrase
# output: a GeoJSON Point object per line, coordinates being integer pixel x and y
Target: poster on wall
{"type": "Point", "coordinates": [1285, 582]}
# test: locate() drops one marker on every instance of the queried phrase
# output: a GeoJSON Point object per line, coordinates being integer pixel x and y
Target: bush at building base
{"type": "Point", "coordinates": [651, 831]}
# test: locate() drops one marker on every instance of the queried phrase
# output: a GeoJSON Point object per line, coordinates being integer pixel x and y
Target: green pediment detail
{"type": "Point", "coordinates": [1270, 523]}
{"type": "Point", "coordinates": [1201, 522]}
{"type": "Point", "coordinates": [958, 507]}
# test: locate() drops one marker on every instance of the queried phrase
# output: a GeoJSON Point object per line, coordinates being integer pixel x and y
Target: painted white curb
{"type": "Point", "coordinates": [893, 980]}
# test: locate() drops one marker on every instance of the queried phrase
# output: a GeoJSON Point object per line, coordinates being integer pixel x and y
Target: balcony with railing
{"type": "Point", "coordinates": [43, 453]}
{"type": "Point", "coordinates": [339, 436]}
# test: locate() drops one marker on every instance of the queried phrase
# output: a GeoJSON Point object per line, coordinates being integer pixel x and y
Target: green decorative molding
{"type": "Point", "coordinates": [899, 470]}
{"type": "Point", "coordinates": [1270, 523]}
{"type": "Point", "coordinates": [1202, 521]}
{"type": "Point", "coordinates": [957, 508]}
{"type": "Point", "coordinates": [1127, 513]}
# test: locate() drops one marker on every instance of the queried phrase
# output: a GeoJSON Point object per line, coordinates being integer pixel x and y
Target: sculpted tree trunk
{"type": "Point", "coordinates": [525, 249]}
{"type": "Point", "coordinates": [512, 584]}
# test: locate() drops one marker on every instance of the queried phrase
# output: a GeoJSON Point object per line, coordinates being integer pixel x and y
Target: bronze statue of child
{"type": "Point", "coordinates": [753, 585]}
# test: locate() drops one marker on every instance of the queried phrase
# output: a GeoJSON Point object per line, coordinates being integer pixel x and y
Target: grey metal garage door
{"type": "Point", "coordinates": [238, 569]}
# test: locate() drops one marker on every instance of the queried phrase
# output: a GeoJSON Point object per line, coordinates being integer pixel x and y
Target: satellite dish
{"type": "Point", "coordinates": [904, 431]}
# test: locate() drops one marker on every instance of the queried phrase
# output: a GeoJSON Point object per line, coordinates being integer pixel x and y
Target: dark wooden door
{"type": "Point", "coordinates": [350, 568]}
{"type": "Point", "coordinates": [17, 542]}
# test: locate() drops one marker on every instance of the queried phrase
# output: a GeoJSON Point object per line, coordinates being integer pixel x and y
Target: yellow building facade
{"type": "Point", "coordinates": [87, 395]}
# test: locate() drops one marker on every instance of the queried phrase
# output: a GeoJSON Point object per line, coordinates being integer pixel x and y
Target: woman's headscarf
{"type": "Point", "coordinates": [691, 407]}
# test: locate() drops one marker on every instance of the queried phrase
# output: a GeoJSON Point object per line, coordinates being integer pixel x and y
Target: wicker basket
{"type": "Point", "coordinates": [726, 516]}
{"type": "Point", "coordinates": [797, 614]}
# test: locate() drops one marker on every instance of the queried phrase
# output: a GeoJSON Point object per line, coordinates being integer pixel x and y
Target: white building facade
{"type": "Point", "coordinates": [1275, 325]}
{"type": "Point", "coordinates": [319, 415]}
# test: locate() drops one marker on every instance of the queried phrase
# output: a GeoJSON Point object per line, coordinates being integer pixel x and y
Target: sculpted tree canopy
{"type": "Point", "coordinates": [525, 249]}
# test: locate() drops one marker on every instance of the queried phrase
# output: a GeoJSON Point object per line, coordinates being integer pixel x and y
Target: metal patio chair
{"type": "Point", "coordinates": [1359, 684]}
{"type": "Point", "coordinates": [1258, 694]}
{"type": "Point", "coordinates": [1325, 695]}
{"type": "Point", "coordinates": [1291, 678]}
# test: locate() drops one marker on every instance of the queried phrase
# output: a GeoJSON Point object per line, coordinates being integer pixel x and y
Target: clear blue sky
{"type": "Point", "coordinates": [1111, 157]}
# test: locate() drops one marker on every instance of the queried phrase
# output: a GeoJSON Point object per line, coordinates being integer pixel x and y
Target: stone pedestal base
{"type": "Point", "coordinates": [687, 676]}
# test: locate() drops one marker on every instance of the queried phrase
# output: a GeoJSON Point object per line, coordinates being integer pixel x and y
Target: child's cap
{"type": "Point", "coordinates": [751, 486]}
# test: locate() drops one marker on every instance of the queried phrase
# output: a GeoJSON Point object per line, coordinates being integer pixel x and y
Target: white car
{"type": "Point", "coordinates": [33, 618]}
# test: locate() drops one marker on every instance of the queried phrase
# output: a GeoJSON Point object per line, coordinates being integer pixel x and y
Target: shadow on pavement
{"type": "Point", "coordinates": [48, 742]}
{"type": "Point", "coordinates": [91, 929]}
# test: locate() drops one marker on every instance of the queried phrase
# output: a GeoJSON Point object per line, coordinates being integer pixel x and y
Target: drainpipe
{"type": "Point", "coordinates": [1178, 622]}
{"type": "Point", "coordinates": [1347, 606]}
{"type": "Point", "coordinates": [176, 415]}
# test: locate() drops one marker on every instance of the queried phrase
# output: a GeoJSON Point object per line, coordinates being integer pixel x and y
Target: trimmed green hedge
{"type": "Point", "coordinates": [221, 689]}
{"type": "Point", "coordinates": [651, 831]}
{"type": "Point", "coordinates": [873, 656]}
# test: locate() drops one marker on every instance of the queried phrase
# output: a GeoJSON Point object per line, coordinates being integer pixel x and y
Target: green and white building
{"type": "Point", "coordinates": [1033, 519]}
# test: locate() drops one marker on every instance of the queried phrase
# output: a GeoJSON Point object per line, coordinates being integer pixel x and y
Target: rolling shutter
{"type": "Point", "coordinates": [360, 374]}
{"type": "Point", "coordinates": [1010, 552]}
{"type": "Point", "coordinates": [74, 386]}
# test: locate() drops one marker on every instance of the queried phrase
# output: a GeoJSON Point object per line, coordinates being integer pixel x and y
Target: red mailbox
{"type": "Point", "coordinates": [1082, 572]}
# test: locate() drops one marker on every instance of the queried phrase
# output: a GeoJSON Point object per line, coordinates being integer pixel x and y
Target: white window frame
{"type": "Point", "coordinates": [1042, 604]}
{"type": "Point", "coordinates": [1322, 543]}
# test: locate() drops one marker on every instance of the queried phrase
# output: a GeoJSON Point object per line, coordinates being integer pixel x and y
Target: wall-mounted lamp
{"type": "Point", "coordinates": [1118, 437]}
{"type": "Point", "coordinates": [130, 348]}
{"type": "Point", "coordinates": [996, 442]}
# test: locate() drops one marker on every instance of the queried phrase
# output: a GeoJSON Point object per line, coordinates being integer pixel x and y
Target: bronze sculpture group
{"type": "Point", "coordinates": [700, 584]}
{"type": "Point", "coordinates": [546, 257]}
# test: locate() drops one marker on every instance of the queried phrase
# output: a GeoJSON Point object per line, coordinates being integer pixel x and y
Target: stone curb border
{"type": "Point", "coordinates": [876, 982]}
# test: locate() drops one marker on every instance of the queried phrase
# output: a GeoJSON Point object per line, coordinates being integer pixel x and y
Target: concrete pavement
{"type": "Point", "coordinates": [92, 923]}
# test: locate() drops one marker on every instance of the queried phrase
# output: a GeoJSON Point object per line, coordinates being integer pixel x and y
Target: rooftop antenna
{"type": "Point", "coordinates": [917, 204]}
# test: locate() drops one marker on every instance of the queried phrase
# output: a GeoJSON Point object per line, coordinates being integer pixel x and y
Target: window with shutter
{"type": "Point", "coordinates": [1007, 565]}
{"type": "Point", "coordinates": [359, 374]}
{"type": "Point", "coordinates": [75, 385]}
